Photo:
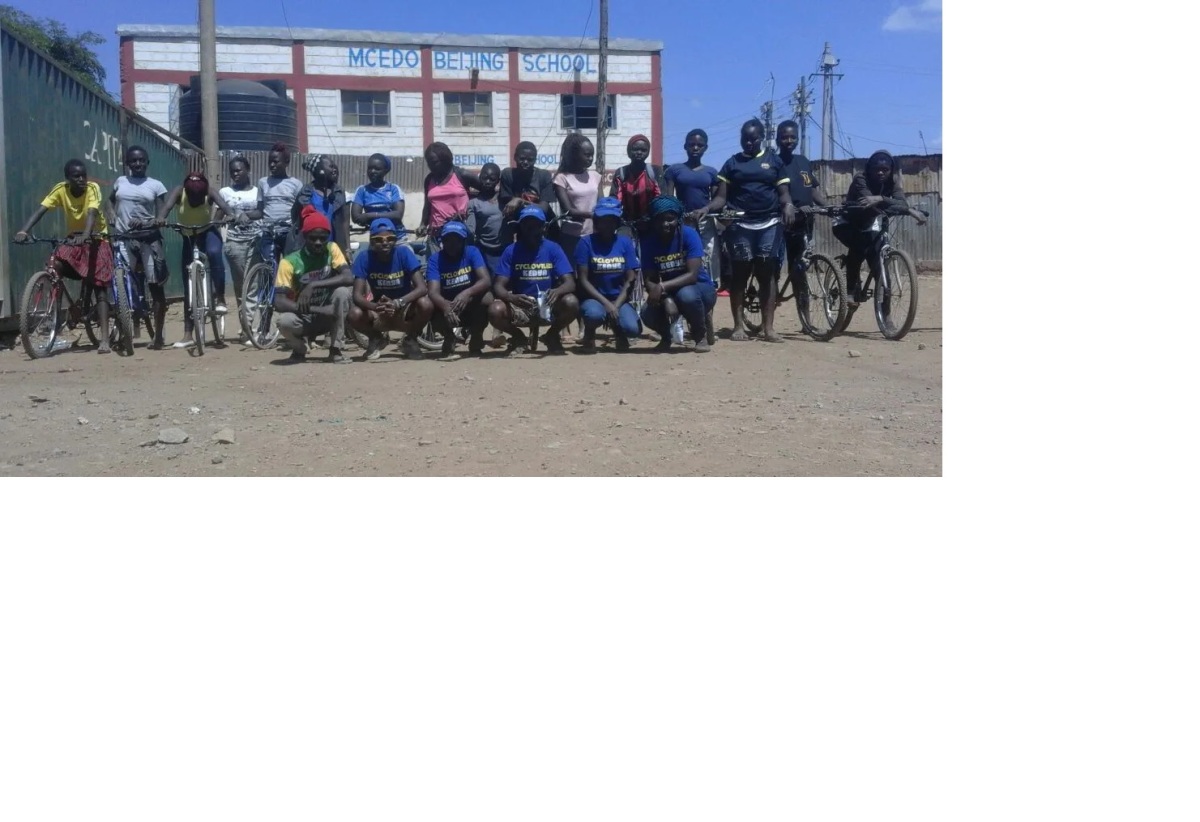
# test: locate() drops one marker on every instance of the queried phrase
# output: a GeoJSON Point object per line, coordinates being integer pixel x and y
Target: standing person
{"type": "Point", "coordinates": [754, 181]}
{"type": "Point", "coordinates": [378, 199]}
{"type": "Point", "coordinates": [133, 209]}
{"type": "Point", "coordinates": [485, 218]}
{"type": "Point", "coordinates": [197, 206]}
{"type": "Point", "coordinates": [389, 292]}
{"type": "Point", "coordinates": [277, 196]}
{"type": "Point", "coordinates": [636, 184]}
{"type": "Point", "coordinates": [606, 266]}
{"type": "Point", "coordinates": [446, 192]}
{"type": "Point", "coordinates": [875, 192]}
{"type": "Point", "coordinates": [673, 265]}
{"type": "Point", "coordinates": [530, 268]}
{"type": "Point", "coordinates": [577, 187]}
{"type": "Point", "coordinates": [85, 256]}
{"type": "Point", "coordinates": [806, 193]}
{"type": "Point", "coordinates": [460, 289]}
{"type": "Point", "coordinates": [524, 184]}
{"type": "Point", "coordinates": [695, 184]}
{"type": "Point", "coordinates": [312, 289]}
{"type": "Point", "coordinates": [241, 236]}
{"type": "Point", "coordinates": [326, 196]}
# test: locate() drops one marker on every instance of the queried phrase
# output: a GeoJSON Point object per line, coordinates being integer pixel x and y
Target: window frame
{"type": "Point", "coordinates": [476, 98]}
{"type": "Point", "coordinates": [360, 96]}
{"type": "Point", "coordinates": [569, 101]}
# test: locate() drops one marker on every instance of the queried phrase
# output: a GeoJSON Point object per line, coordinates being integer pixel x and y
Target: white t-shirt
{"type": "Point", "coordinates": [241, 202]}
{"type": "Point", "coordinates": [136, 201]}
{"type": "Point", "coordinates": [582, 192]}
{"type": "Point", "coordinates": [278, 196]}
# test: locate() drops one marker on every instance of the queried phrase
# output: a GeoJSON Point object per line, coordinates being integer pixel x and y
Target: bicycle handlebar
{"type": "Point", "coordinates": [195, 229]}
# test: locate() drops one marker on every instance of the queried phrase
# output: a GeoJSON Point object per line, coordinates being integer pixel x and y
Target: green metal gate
{"type": "Point", "coordinates": [48, 117]}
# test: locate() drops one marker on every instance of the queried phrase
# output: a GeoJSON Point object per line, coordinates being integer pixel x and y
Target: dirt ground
{"type": "Point", "coordinates": [800, 408]}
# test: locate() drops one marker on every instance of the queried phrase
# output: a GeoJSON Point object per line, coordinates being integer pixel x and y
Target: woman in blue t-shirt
{"type": "Point", "coordinates": [673, 267]}
{"type": "Point", "coordinates": [606, 265]}
{"type": "Point", "coordinates": [378, 199]}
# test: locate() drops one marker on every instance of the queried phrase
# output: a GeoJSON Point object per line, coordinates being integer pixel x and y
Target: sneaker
{"type": "Point", "coordinates": [375, 347]}
{"type": "Point", "coordinates": [475, 347]}
{"type": "Point", "coordinates": [158, 344]}
{"type": "Point", "coordinates": [723, 293]}
{"type": "Point", "coordinates": [220, 308]}
{"type": "Point", "coordinates": [336, 355]}
{"type": "Point", "coordinates": [664, 344]}
{"type": "Point", "coordinates": [588, 344]}
{"type": "Point", "coordinates": [553, 342]}
{"type": "Point", "coordinates": [702, 346]}
{"type": "Point", "coordinates": [298, 356]}
{"type": "Point", "coordinates": [186, 342]}
{"type": "Point", "coordinates": [519, 344]}
{"type": "Point", "coordinates": [409, 347]}
{"type": "Point", "coordinates": [622, 342]}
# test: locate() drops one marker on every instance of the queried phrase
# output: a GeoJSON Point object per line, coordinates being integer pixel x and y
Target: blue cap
{"type": "Point", "coordinates": [532, 211]}
{"type": "Point", "coordinates": [455, 227]}
{"type": "Point", "coordinates": [607, 207]}
{"type": "Point", "coordinates": [381, 225]}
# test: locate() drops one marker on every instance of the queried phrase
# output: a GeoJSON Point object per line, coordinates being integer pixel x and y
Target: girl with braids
{"type": "Point", "coordinates": [673, 267]}
{"type": "Point", "coordinates": [446, 192]}
{"type": "Point", "coordinates": [326, 196]}
{"type": "Point", "coordinates": [577, 186]}
{"type": "Point", "coordinates": [378, 199]}
{"type": "Point", "coordinates": [754, 181]}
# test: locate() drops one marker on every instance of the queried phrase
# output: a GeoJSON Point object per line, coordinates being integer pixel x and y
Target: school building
{"type": "Point", "coordinates": [358, 92]}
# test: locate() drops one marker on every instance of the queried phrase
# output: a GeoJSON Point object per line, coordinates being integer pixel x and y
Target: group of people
{"type": "Point", "coordinates": [496, 252]}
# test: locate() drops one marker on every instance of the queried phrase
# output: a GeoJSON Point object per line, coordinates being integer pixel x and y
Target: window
{"type": "Point", "coordinates": [366, 108]}
{"type": "Point", "coordinates": [468, 109]}
{"type": "Point", "coordinates": [579, 111]}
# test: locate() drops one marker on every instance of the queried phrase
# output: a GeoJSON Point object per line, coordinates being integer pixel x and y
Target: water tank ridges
{"type": "Point", "coordinates": [251, 115]}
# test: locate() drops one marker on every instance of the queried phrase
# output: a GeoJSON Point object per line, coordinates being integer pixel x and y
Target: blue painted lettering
{"type": "Point", "coordinates": [355, 58]}
{"type": "Point", "coordinates": [393, 58]}
{"type": "Point", "coordinates": [558, 63]}
{"type": "Point", "coordinates": [385, 58]}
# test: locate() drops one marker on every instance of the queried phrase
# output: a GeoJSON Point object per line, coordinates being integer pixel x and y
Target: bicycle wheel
{"type": "Point", "coordinates": [752, 308]}
{"type": "Point", "coordinates": [353, 335]}
{"type": "Point", "coordinates": [197, 279]}
{"type": "Point", "coordinates": [41, 309]}
{"type": "Point", "coordinates": [256, 311]}
{"type": "Point", "coordinates": [896, 296]}
{"type": "Point", "coordinates": [124, 318]}
{"type": "Point", "coordinates": [822, 306]}
{"type": "Point", "coordinates": [430, 338]}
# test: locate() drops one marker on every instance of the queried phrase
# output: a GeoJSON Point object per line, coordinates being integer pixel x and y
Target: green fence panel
{"type": "Point", "coordinates": [49, 117]}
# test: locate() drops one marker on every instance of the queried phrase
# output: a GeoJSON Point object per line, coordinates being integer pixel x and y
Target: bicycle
{"type": "Point", "coordinates": [257, 310]}
{"type": "Point", "coordinates": [820, 304]}
{"type": "Point", "coordinates": [129, 300]}
{"type": "Point", "coordinates": [199, 286]}
{"type": "Point", "coordinates": [895, 292]}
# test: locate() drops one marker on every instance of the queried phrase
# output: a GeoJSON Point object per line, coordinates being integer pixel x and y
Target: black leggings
{"type": "Point", "coordinates": [860, 245]}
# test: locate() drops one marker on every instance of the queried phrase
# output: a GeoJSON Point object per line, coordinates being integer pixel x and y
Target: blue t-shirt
{"type": "Point", "coordinates": [392, 279]}
{"type": "Point", "coordinates": [379, 200]}
{"type": "Point", "coordinates": [666, 261]}
{"type": "Point", "coordinates": [457, 275]}
{"type": "Point", "coordinates": [752, 181]}
{"type": "Point", "coordinates": [606, 263]}
{"type": "Point", "coordinates": [692, 185]}
{"type": "Point", "coordinates": [531, 272]}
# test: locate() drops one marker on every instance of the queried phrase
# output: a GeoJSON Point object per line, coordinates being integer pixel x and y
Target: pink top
{"type": "Point", "coordinates": [446, 200]}
{"type": "Point", "coordinates": [582, 192]}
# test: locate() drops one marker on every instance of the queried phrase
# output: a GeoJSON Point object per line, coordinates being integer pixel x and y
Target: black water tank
{"type": "Point", "coordinates": [251, 116]}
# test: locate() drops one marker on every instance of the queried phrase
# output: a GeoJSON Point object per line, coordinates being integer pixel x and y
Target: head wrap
{"type": "Point", "coordinates": [387, 164]}
{"type": "Point", "coordinates": [313, 220]}
{"type": "Point", "coordinates": [196, 183]}
{"type": "Point", "coordinates": [664, 204]}
{"type": "Point", "coordinates": [313, 163]}
{"type": "Point", "coordinates": [635, 138]}
{"type": "Point", "coordinates": [381, 225]}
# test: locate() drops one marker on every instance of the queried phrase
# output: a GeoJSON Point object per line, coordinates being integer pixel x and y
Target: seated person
{"type": "Point", "coordinates": [459, 287]}
{"type": "Point", "coordinates": [389, 292]}
{"type": "Point", "coordinates": [532, 268]}
{"type": "Point", "coordinates": [312, 289]}
{"type": "Point", "coordinates": [672, 264]}
{"type": "Point", "coordinates": [606, 264]}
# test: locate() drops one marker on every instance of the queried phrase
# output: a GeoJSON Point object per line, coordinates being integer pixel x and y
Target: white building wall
{"type": "Point", "coordinates": [541, 124]}
{"type": "Point", "coordinates": [475, 146]}
{"type": "Point", "coordinates": [249, 57]}
{"type": "Point", "coordinates": [558, 66]}
{"type": "Point", "coordinates": [154, 102]}
{"type": "Point", "coordinates": [327, 135]}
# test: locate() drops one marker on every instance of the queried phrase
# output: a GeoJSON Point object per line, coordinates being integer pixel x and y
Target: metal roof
{"type": "Point", "coordinates": [388, 38]}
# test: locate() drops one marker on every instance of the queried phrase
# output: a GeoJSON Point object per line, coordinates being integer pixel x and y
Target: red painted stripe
{"type": "Point", "coordinates": [427, 92]}
{"type": "Point", "coordinates": [656, 109]}
{"type": "Point", "coordinates": [298, 83]}
{"type": "Point", "coordinates": [128, 98]}
{"type": "Point", "coordinates": [514, 103]}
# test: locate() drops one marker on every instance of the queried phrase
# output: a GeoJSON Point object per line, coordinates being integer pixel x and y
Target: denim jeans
{"type": "Point", "coordinates": [593, 314]}
{"type": "Point", "coordinates": [694, 302]}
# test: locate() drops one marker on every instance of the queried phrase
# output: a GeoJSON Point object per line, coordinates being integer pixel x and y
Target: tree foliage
{"type": "Point", "coordinates": [73, 51]}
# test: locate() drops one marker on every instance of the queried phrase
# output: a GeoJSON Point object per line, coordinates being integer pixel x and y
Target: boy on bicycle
{"type": "Point", "coordinates": [806, 193]}
{"type": "Point", "coordinates": [874, 193]}
{"type": "Point", "coordinates": [132, 209]}
{"type": "Point", "coordinates": [85, 256]}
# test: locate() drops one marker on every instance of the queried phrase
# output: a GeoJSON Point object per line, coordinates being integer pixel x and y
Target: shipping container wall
{"type": "Point", "coordinates": [49, 117]}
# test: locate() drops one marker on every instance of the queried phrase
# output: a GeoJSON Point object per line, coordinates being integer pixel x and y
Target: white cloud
{"type": "Point", "coordinates": [923, 16]}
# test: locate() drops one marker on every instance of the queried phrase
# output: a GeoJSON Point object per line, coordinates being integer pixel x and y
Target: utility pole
{"type": "Point", "coordinates": [602, 95]}
{"type": "Point", "coordinates": [826, 66]}
{"type": "Point", "coordinates": [208, 91]}
{"type": "Point", "coordinates": [768, 112]}
{"type": "Point", "coordinates": [801, 108]}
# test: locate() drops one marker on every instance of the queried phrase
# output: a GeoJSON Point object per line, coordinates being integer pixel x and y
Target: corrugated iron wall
{"type": "Point", "coordinates": [49, 117]}
{"type": "Point", "coordinates": [407, 172]}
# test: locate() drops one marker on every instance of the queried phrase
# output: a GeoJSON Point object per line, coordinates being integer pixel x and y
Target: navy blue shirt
{"type": "Point", "coordinates": [455, 276]}
{"type": "Point", "coordinates": [606, 263]}
{"type": "Point", "coordinates": [666, 261]}
{"type": "Point", "coordinates": [392, 279]}
{"type": "Point", "coordinates": [693, 186]}
{"type": "Point", "coordinates": [751, 183]}
{"type": "Point", "coordinates": [801, 180]}
{"type": "Point", "coordinates": [534, 272]}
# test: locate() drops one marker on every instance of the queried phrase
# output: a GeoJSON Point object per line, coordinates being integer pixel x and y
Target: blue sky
{"type": "Point", "coordinates": [716, 64]}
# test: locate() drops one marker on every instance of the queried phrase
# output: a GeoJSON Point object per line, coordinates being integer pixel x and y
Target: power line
{"type": "Point", "coordinates": [320, 116]}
